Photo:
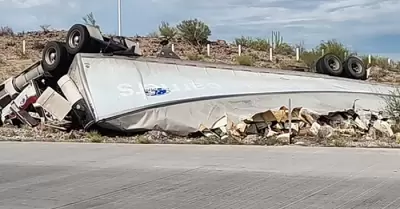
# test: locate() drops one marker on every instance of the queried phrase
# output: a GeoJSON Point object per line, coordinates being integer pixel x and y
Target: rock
{"type": "Point", "coordinates": [325, 132]}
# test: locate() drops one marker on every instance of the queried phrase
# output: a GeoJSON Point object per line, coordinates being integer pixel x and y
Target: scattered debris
{"type": "Point", "coordinates": [275, 124]}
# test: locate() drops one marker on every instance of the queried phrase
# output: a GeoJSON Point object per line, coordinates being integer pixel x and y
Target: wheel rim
{"type": "Point", "coordinates": [356, 67]}
{"type": "Point", "coordinates": [334, 64]}
{"type": "Point", "coordinates": [74, 39]}
{"type": "Point", "coordinates": [51, 56]}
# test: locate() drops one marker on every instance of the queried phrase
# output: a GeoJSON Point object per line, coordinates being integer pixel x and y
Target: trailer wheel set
{"type": "Point", "coordinates": [59, 54]}
{"type": "Point", "coordinates": [352, 67]}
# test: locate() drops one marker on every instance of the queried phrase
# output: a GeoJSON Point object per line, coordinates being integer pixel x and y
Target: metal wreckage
{"type": "Point", "coordinates": [94, 81]}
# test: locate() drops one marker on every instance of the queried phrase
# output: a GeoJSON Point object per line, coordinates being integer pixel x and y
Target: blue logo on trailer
{"type": "Point", "coordinates": [156, 91]}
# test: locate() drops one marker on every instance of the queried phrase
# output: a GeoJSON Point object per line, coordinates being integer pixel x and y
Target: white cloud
{"type": "Point", "coordinates": [28, 3]}
{"type": "Point", "coordinates": [351, 21]}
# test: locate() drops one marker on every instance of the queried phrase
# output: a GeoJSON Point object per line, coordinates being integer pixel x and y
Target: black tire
{"type": "Point", "coordinates": [354, 67]}
{"type": "Point", "coordinates": [78, 39]}
{"type": "Point", "coordinates": [54, 56]}
{"type": "Point", "coordinates": [318, 66]}
{"type": "Point", "coordinates": [331, 65]}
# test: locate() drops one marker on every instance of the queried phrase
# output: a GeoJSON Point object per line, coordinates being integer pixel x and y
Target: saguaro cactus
{"type": "Point", "coordinates": [276, 39]}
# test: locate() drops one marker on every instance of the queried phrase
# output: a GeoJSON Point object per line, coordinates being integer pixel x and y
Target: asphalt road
{"type": "Point", "coordinates": [107, 176]}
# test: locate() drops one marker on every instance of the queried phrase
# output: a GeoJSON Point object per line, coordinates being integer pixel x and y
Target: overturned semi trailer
{"type": "Point", "coordinates": [92, 80]}
{"type": "Point", "coordinates": [132, 94]}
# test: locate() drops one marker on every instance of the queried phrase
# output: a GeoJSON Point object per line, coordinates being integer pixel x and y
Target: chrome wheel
{"type": "Point", "coordinates": [74, 39]}
{"type": "Point", "coordinates": [334, 64]}
{"type": "Point", "coordinates": [356, 67]}
{"type": "Point", "coordinates": [51, 56]}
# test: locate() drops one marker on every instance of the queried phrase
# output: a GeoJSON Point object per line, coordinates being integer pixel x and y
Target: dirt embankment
{"type": "Point", "coordinates": [13, 60]}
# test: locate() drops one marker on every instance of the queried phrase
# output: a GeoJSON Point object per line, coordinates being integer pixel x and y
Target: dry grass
{"type": "Point", "coordinates": [155, 137]}
{"type": "Point", "coordinates": [245, 60]}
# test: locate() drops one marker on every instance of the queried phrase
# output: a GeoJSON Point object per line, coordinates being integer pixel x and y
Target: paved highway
{"type": "Point", "coordinates": [107, 176]}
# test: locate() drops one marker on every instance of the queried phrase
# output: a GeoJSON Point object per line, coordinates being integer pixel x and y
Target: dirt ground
{"type": "Point", "coordinates": [26, 134]}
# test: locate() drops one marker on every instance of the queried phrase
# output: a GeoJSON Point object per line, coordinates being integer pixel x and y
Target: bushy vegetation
{"type": "Point", "coordinates": [264, 44]}
{"type": "Point", "coordinates": [381, 62]}
{"type": "Point", "coordinates": [259, 44]}
{"type": "Point", "coordinates": [167, 31]}
{"type": "Point", "coordinates": [245, 60]}
{"type": "Point", "coordinates": [6, 31]}
{"type": "Point", "coordinates": [45, 28]}
{"type": "Point", "coordinates": [193, 31]}
{"type": "Point", "coordinates": [393, 104]}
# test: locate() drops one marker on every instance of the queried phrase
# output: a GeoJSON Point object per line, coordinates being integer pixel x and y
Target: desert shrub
{"type": "Point", "coordinates": [45, 28]}
{"type": "Point", "coordinates": [309, 57]}
{"type": "Point", "coordinates": [392, 104]}
{"type": "Point", "coordinates": [259, 44]}
{"type": "Point", "coordinates": [94, 137]}
{"type": "Point", "coordinates": [194, 57]}
{"type": "Point", "coordinates": [333, 46]}
{"type": "Point", "coordinates": [243, 40]}
{"type": "Point", "coordinates": [378, 61]}
{"type": "Point", "coordinates": [280, 46]}
{"type": "Point", "coordinates": [330, 46]}
{"type": "Point", "coordinates": [284, 49]}
{"type": "Point", "coordinates": [194, 32]}
{"type": "Point", "coordinates": [264, 44]}
{"type": "Point", "coordinates": [245, 60]}
{"type": "Point", "coordinates": [6, 31]}
{"type": "Point", "coordinates": [167, 31]}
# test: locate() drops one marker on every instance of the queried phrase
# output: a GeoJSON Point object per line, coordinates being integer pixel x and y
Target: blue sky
{"type": "Point", "coordinates": [366, 26]}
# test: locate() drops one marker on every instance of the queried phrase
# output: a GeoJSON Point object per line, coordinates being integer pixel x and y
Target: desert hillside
{"type": "Point", "coordinates": [13, 60]}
